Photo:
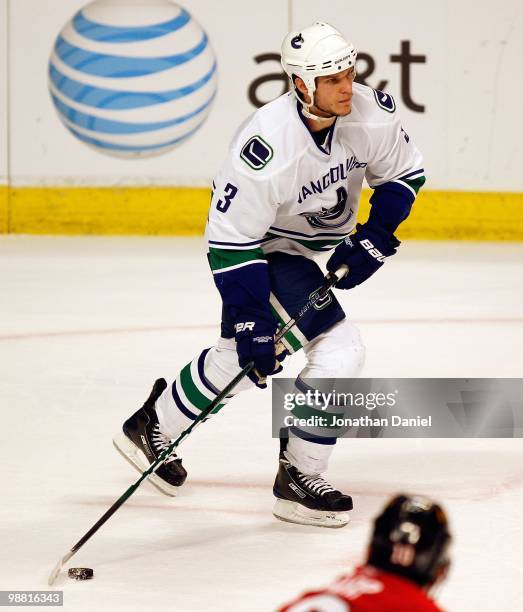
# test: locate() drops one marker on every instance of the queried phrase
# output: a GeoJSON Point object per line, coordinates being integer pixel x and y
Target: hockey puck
{"type": "Point", "coordinates": [80, 573]}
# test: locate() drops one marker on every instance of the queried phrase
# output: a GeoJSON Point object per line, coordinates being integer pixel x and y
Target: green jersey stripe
{"type": "Point", "coordinates": [416, 183]}
{"type": "Point", "coordinates": [242, 265]}
{"type": "Point", "coordinates": [227, 258]}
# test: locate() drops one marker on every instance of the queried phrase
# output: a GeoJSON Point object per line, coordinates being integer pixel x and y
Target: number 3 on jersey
{"type": "Point", "coordinates": [229, 192]}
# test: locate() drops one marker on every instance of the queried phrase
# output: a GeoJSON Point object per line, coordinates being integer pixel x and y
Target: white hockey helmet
{"type": "Point", "coordinates": [318, 50]}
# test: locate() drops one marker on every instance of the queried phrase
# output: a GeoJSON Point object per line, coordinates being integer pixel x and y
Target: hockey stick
{"type": "Point", "coordinates": [320, 293]}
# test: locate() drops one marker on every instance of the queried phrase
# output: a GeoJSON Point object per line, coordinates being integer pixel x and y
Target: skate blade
{"type": "Point", "coordinates": [292, 512]}
{"type": "Point", "coordinates": [137, 459]}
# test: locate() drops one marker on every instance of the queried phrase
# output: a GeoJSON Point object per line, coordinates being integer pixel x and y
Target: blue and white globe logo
{"type": "Point", "coordinates": [132, 78]}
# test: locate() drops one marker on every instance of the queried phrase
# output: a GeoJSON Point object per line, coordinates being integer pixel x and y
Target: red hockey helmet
{"type": "Point", "coordinates": [411, 538]}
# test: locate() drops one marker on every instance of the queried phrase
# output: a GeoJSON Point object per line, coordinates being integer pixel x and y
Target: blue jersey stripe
{"type": "Point", "coordinates": [254, 242]}
{"type": "Point", "coordinates": [113, 99]}
{"type": "Point", "coordinates": [116, 66]}
{"type": "Point", "coordinates": [406, 176]}
{"type": "Point", "coordinates": [124, 34]}
{"type": "Point", "coordinates": [313, 236]}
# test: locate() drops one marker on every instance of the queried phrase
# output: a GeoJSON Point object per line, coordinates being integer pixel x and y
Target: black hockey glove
{"type": "Point", "coordinates": [364, 252]}
{"type": "Point", "coordinates": [255, 342]}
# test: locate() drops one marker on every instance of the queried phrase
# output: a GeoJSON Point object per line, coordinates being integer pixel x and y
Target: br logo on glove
{"type": "Point", "coordinates": [247, 326]}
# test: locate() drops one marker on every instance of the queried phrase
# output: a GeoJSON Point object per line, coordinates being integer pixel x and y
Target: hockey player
{"type": "Point", "coordinates": [408, 556]}
{"type": "Point", "coordinates": [289, 189]}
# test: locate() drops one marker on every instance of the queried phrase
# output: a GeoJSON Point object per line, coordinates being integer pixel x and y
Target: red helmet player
{"type": "Point", "coordinates": [408, 555]}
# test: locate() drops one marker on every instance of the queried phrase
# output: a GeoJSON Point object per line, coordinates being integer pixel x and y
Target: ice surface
{"type": "Point", "coordinates": [86, 325]}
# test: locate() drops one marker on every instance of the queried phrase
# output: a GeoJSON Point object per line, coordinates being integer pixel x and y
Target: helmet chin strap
{"type": "Point", "coordinates": [307, 113]}
{"type": "Point", "coordinates": [305, 108]}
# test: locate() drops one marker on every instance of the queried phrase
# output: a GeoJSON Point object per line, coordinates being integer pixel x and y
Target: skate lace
{"type": "Point", "coordinates": [161, 442]}
{"type": "Point", "coordinates": [316, 484]}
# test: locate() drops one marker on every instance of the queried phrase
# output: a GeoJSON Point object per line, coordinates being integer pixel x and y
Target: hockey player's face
{"type": "Point", "coordinates": [333, 95]}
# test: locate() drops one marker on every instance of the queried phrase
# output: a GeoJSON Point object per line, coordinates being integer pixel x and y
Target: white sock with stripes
{"type": "Point", "coordinates": [197, 385]}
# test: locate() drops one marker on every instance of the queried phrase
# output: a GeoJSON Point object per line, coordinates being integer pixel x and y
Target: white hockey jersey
{"type": "Point", "coordinates": [279, 191]}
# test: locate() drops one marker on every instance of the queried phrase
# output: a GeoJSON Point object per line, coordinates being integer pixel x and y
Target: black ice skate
{"type": "Point", "coordinates": [142, 442]}
{"type": "Point", "coordinates": [308, 500]}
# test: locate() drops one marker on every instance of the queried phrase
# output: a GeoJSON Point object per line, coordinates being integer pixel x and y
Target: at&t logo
{"type": "Point", "coordinates": [132, 79]}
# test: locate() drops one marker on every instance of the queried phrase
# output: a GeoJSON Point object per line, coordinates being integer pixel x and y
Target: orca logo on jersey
{"type": "Point", "coordinates": [331, 217]}
{"type": "Point", "coordinates": [297, 42]}
{"type": "Point", "coordinates": [385, 101]}
{"type": "Point", "coordinates": [256, 153]}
